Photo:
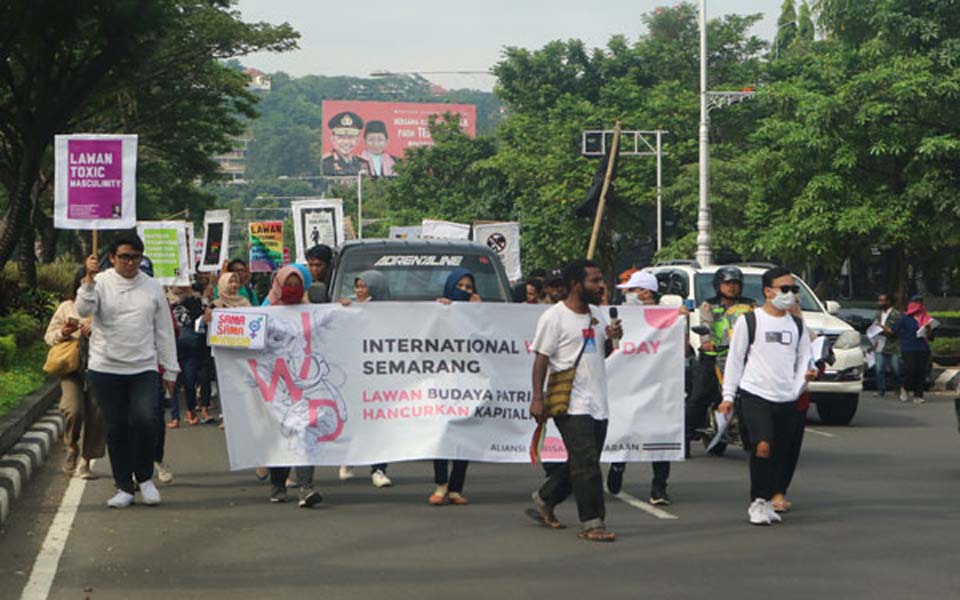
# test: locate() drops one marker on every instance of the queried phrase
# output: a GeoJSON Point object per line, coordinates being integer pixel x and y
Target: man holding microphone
{"type": "Point", "coordinates": [132, 335]}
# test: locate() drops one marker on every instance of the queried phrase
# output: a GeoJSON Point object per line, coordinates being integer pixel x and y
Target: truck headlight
{"type": "Point", "coordinates": [847, 340]}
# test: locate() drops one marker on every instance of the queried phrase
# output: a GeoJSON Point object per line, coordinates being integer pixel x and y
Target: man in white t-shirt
{"type": "Point", "coordinates": [767, 369]}
{"type": "Point", "coordinates": [575, 333]}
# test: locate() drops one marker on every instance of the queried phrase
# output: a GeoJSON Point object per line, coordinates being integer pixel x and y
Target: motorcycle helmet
{"type": "Point", "coordinates": [726, 275]}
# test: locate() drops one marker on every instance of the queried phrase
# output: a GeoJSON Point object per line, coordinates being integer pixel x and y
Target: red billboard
{"type": "Point", "coordinates": [369, 137]}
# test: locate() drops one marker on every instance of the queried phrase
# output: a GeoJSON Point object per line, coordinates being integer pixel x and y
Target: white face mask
{"type": "Point", "coordinates": [632, 298]}
{"type": "Point", "coordinates": [784, 301]}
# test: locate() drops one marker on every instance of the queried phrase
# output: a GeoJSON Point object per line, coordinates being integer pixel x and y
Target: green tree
{"type": "Point", "coordinates": [805, 28]}
{"type": "Point", "coordinates": [146, 67]}
{"type": "Point", "coordinates": [786, 29]}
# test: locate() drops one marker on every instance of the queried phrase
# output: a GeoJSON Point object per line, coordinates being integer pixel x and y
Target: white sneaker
{"type": "Point", "coordinates": [918, 400]}
{"type": "Point", "coordinates": [904, 395]}
{"type": "Point", "coordinates": [164, 474]}
{"type": "Point", "coordinates": [758, 512]}
{"type": "Point", "coordinates": [380, 479]}
{"type": "Point", "coordinates": [346, 473]}
{"type": "Point", "coordinates": [120, 500]}
{"type": "Point", "coordinates": [150, 493]}
{"type": "Point", "coordinates": [774, 515]}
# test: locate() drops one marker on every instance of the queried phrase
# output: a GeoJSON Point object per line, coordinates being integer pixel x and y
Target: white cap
{"type": "Point", "coordinates": [640, 279]}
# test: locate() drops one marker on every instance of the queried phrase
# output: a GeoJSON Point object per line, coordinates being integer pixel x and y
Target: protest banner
{"type": "Point", "coordinates": [316, 222]}
{"type": "Point", "coordinates": [266, 246]}
{"type": "Point", "coordinates": [95, 181]}
{"type": "Point", "coordinates": [165, 244]}
{"type": "Point", "coordinates": [444, 230]}
{"type": "Point", "coordinates": [235, 329]}
{"type": "Point", "coordinates": [216, 240]}
{"type": "Point", "coordinates": [388, 382]}
{"type": "Point", "coordinates": [504, 239]}
{"type": "Point", "coordinates": [405, 233]}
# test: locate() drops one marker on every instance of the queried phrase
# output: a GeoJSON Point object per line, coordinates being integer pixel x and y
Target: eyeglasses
{"type": "Point", "coordinates": [786, 289]}
{"type": "Point", "coordinates": [130, 258]}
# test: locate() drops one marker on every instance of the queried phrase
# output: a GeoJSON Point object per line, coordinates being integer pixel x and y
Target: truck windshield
{"type": "Point", "coordinates": [415, 276]}
{"type": "Point", "coordinates": [753, 288]}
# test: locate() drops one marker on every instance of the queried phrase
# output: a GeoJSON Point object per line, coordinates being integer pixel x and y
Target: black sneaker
{"type": "Point", "coordinates": [309, 497]}
{"type": "Point", "coordinates": [658, 496]}
{"type": "Point", "coordinates": [278, 494]}
{"type": "Point", "coordinates": [615, 479]}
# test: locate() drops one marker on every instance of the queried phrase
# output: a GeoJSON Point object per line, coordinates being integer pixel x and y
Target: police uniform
{"type": "Point", "coordinates": [719, 319]}
{"type": "Point", "coordinates": [344, 124]}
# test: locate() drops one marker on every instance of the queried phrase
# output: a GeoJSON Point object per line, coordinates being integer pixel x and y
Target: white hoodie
{"type": "Point", "coordinates": [132, 325]}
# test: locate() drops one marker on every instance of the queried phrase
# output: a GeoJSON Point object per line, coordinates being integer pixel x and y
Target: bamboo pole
{"type": "Point", "coordinates": [614, 149]}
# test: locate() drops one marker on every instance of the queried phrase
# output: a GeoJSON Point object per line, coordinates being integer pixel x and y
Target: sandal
{"type": "Point", "coordinates": [457, 500]}
{"type": "Point", "coordinates": [597, 534]}
{"type": "Point", "coordinates": [781, 506]}
{"type": "Point", "coordinates": [437, 499]}
{"type": "Point", "coordinates": [545, 518]}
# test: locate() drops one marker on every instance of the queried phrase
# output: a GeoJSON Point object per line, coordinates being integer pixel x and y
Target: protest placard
{"type": "Point", "coordinates": [216, 239]}
{"type": "Point", "coordinates": [444, 230]}
{"type": "Point", "coordinates": [504, 239]}
{"type": "Point", "coordinates": [95, 181]}
{"type": "Point", "coordinates": [236, 329]}
{"type": "Point", "coordinates": [266, 246]}
{"type": "Point", "coordinates": [316, 222]}
{"type": "Point", "coordinates": [165, 244]}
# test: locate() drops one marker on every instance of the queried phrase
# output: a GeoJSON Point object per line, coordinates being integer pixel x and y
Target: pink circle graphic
{"type": "Point", "coordinates": [661, 318]}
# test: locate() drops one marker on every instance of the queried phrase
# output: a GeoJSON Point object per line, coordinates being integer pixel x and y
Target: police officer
{"type": "Point", "coordinates": [718, 314]}
{"type": "Point", "coordinates": [345, 128]}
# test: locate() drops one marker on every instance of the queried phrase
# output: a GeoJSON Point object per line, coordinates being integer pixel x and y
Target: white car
{"type": "Point", "coordinates": [837, 392]}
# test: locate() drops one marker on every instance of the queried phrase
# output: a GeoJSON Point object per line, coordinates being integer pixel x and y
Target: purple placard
{"type": "Point", "coordinates": [94, 179]}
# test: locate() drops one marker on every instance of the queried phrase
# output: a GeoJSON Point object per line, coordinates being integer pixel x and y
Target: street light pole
{"type": "Point", "coordinates": [704, 250]}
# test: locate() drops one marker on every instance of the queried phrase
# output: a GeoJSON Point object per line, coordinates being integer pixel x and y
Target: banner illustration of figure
{"type": "Point", "coordinates": [299, 385]}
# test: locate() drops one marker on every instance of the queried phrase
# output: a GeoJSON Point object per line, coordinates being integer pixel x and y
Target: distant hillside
{"type": "Point", "coordinates": [286, 137]}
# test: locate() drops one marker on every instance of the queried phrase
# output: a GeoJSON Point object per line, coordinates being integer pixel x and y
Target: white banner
{"type": "Point", "coordinates": [444, 230]}
{"type": "Point", "coordinates": [216, 240]}
{"type": "Point", "coordinates": [405, 233]}
{"type": "Point", "coordinates": [316, 222]}
{"type": "Point", "coordinates": [504, 239]}
{"type": "Point", "coordinates": [95, 181]}
{"type": "Point", "coordinates": [387, 382]}
{"type": "Point", "coordinates": [165, 244]}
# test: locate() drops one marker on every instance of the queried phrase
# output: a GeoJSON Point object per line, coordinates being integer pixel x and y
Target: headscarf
{"type": "Point", "coordinates": [918, 312]}
{"type": "Point", "coordinates": [227, 300]}
{"type": "Point", "coordinates": [450, 290]}
{"type": "Point", "coordinates": [376, 284]}
{"type": "Point", "coordinates": [276, 288]}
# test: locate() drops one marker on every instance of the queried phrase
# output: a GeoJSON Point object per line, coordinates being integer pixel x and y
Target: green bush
{"type": "Point", "coordinates": [8, 350]}
{"type": "Point", "coordinates": [57, 277]}
{"type": "Point", "coordinates": [21, 326]}
{"type": "Point", "coordinates": [945, 346]}
{"type": "Point", "coordinates": [945, 314]}
{"type": "Point", "coordinates": [22, 374]}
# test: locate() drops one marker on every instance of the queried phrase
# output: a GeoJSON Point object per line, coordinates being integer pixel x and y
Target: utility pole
{"type": "Point", "coordinates": [708, 100]}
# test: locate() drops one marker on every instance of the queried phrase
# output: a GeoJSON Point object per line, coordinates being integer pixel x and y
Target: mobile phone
{"type": "Point", "coordinates": [73, 321]}
{"type": "Point", "coordinates": [688, 302]}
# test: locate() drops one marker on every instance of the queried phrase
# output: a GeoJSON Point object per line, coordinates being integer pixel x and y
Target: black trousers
{"type": "Point", "coordinates": [661, 472]}
{"type": "Point", "coordinates": [915, 365]}
{"type": "Point", "coordinates": [452, 478]}
{"type": "Point", "coordinates": [775, 424]}
{"type": "Point", "coordinates": [584, 437]}
{"type": "Point", "coordinates": [791, 456]}
{"type": "Point", "coordinates": [129, 407]}
{"type": "Point", "coordinates": [706, 393]}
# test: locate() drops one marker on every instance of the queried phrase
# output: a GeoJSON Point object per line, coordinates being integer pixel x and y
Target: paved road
{"type": "Point", "coordinates": [876, 516]}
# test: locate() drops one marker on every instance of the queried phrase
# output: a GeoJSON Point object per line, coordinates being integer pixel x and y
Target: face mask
{"type": "Point", "coordinates": [784, 301]}
{"type": "Point", "coordinates": [632, 298]}
{"type": "Point", "coordinates": [458, 295]}
{"type": "Point", "coordinates": [291, 294]}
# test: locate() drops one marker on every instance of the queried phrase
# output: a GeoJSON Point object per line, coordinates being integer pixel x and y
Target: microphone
{"type": "Point", "coordinates": [615, 320]}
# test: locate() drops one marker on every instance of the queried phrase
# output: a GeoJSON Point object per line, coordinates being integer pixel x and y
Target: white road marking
{"type": "Point", "coordinates": [823, 433]}
{"type": "Point", "coordinates": [45, 567]}
{"type": "Point", "coordinates": [644, 506]}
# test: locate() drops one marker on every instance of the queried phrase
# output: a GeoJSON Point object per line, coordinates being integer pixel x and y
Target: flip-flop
{"type": "Point", "coordinates": [597, 534]}
{"type": "Point", "coordinates": [537, 516]}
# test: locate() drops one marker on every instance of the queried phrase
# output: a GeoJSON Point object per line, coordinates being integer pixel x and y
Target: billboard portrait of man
{"type": "Point", "coordinates": [345, 129]}
{"type": "Point", "coordinates": [375, 140]}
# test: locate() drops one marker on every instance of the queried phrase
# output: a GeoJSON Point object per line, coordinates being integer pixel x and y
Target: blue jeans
{"type": "Point", "coordinates": [885, 362]}
{"type": "Point", "coordinates": [187, 381]}
{"type": "Point", "coordinates": [129, 407]}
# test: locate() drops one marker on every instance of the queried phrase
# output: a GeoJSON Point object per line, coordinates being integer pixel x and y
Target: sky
{"type": "Point", "coordinates": [358, 38]}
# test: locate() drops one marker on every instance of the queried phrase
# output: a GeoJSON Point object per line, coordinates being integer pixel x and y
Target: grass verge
{"type": "Point", "coordinates": [24, 375]}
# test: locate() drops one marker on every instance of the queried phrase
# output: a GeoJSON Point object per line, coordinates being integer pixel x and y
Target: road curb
{"type": "Point", "coordinates": [27, 436]}
{"type": "Point", "coordinates": [945, 378]}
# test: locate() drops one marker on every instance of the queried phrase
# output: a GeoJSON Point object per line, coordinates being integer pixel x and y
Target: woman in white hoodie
{"type": "Point", "coordinates": [132, 335]}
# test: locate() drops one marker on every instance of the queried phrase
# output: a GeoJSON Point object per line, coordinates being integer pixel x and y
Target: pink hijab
{"type": "Point", "coordinates": [276, 288]}
{"type": "Point", "coordinates": [918, 312]}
